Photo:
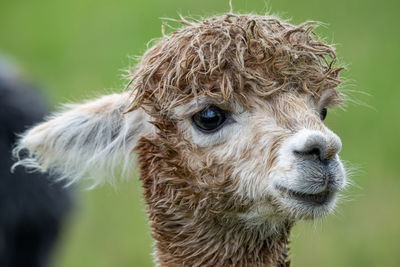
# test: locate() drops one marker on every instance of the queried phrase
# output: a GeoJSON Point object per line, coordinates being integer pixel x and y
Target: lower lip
{"type": "Point", "coordinates": [314, 199]}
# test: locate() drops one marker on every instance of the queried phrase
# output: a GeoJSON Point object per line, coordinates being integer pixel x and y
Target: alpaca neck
{"type": "Point", "coordinates": [187, 242]}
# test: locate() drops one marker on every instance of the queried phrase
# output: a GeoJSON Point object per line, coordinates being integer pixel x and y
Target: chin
{"type": "Point", "coordinates": [307, 206]}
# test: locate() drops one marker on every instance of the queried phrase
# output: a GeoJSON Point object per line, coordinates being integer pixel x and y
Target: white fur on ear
{"type": "Point", "coordinates": [93, 140]}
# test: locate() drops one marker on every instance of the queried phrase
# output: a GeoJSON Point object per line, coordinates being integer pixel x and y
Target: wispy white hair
{"type": "Point", "coordinates": [94, 140]}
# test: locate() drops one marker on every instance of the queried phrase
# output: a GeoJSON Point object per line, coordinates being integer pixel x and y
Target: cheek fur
{"type": "Point", "coordinates": [249, 152]}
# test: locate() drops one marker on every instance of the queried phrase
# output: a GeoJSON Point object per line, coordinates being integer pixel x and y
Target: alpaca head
{"type": "Point", "coordinates": [240, 100]}
{"type": "Point", "coordinates": [226, 116]}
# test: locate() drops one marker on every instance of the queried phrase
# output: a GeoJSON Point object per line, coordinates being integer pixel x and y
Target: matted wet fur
{"type": "Point", "coordinates": [230, 197]}
{"type": "Point", "coordinates": [234, 56]}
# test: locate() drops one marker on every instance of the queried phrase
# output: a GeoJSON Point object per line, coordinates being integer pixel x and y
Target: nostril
{"type": "Point", "coordinates": [314, 153]}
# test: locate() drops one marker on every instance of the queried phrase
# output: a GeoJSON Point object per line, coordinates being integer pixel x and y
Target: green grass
{"type": "Point", "coordinates": [78, 49]}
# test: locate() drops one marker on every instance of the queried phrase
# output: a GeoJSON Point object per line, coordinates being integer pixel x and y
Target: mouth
{"type": "Point", "coordinates": [315, 199]}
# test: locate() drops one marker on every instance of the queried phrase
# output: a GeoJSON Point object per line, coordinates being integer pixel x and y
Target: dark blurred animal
{"type": "Point", "coordinates": [32, 207]}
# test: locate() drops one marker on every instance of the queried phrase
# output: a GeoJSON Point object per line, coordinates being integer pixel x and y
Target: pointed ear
{"type": "Point", "coordinates": [93, 140]}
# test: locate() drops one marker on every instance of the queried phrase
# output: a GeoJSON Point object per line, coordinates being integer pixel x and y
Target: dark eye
{"type": "Point", "coordinates": [323, 113]}
{"type": "Point", "coordinates": [209, 119]}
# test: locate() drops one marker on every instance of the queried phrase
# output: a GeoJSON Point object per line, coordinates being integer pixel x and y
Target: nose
{"type": "Point", "coordinates": [315, 145]}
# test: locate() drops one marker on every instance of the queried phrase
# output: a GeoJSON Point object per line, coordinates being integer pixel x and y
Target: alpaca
{"type": "Point", "coordinates": [225, 116]}
{"type": "Point", "coordinates": [32, 205]}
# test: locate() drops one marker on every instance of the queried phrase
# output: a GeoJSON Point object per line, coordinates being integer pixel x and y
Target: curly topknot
{"type": "Point", "coordinates": [233, 56]}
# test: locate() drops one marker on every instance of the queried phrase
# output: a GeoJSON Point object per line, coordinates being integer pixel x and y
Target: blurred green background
{"type": "Point", "coordinates": [79, 48]}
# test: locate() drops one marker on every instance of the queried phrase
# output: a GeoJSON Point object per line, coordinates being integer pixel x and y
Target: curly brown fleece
{"type": "Point", "coordinates": [231, 58]}
{"type": "Point", "coordinates": [234, 56]}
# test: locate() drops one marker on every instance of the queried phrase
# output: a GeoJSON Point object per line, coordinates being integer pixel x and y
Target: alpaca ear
{"type": "Point", "coordinates": [93, 140]}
